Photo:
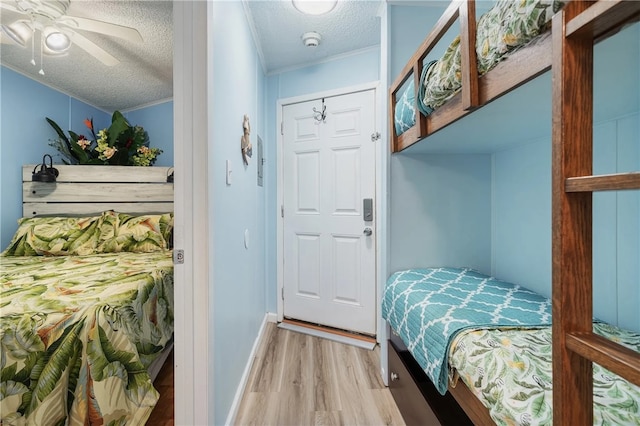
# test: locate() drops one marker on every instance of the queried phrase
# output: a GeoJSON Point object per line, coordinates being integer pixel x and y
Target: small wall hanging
{"type": "Point", "coordinates": [245, 141]}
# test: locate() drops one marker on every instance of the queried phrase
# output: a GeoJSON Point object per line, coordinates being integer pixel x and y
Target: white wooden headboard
{"type": "Point", "coordinates": [94, 189]}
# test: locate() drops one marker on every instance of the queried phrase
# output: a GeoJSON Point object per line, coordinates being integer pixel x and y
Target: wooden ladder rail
{"type": "Point", "coordinates": [466, 11]}
{"type": "Point", "coordinates": [575, 346]}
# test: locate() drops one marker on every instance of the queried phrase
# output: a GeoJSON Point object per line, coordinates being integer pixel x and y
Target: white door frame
{"type": "Point", "coordinates": [381, 187]}
{"type": "Point", "coordinates": [193, 320]}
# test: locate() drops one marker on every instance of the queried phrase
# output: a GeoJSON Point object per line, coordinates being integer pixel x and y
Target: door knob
{"type": "Point", "coordinates": [368, 231]}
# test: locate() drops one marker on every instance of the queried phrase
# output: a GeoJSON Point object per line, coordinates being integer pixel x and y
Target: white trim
{"type": "Point", "coordinates": [46, 83]}
{"type": "Point", "coordinates": [324, 60]}
{"type": "Point", "coordinates": [193, 321]}
{"type": "Point", "coordinates": [381, 185]}
{"type": "Point", "coordinates": [272, 317]}
{"type": "Point", "coordinates": [147, 105]}
{"type": "Point", "coordinates": [254, 34]}
{"type": "Point", "coordinates": [235, 405]}
{"type": "Point", "coordinates": [372, 85]}
{"type": "Point", "coordinates": [328, 336]}
{"type": "Point", "coordinates": [384, 223]}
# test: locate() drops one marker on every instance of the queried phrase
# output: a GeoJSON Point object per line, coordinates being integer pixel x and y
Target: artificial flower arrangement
{"type": "Point", "coordinates": [121, 144]}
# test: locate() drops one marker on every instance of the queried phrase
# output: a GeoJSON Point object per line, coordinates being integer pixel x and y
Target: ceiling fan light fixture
{"type": "Point", "coordinates": [18, 31]}
{"type": "Point", "coordinates": [314, 7]}
{"type": "Point", "coordinates": [56, 41]}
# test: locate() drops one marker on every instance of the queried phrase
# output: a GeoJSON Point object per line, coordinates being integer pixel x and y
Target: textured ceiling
{"type": "Point", "coordinates": [351, 25]}
{"type": "Point", "coordinates": [145, 72]}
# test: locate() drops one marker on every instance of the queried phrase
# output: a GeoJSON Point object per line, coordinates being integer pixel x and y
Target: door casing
{"type": "Point", "coordinates": [380, 216]}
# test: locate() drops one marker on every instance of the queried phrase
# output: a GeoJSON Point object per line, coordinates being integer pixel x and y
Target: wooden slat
{"type": "Point", "coordinates": [414, 67]}
{"type": "Point", "coordinates": [444, 23]}
{"type": "Point", "coordinates": [78, 173]}
{"type": "Point", "coordinates": [50, 209]}
{"type": "Point", "coordinates": [393, 140]}
{"type": "Point", "coordinates": [520, 67]}
{"type": "Point", "coordinates": [468, 58]}
{"type": "Point", "coordinates": [610, 355]}
{"type": "Point", "coordinates": [407, 139]}
{"type": "Point", "coordinates": [572, 155]}
{"type": "Point", "coordinates": [91, 192]}
{"type": "Point", "coordinates": [471, 405]}
{"type": "Point", "coordinates": [603, 18]}
{"type": "Point", "coordinates": [613, 182]}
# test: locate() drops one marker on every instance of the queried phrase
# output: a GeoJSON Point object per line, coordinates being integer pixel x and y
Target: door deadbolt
{"type": "Point", "coordinates": [368, 231]}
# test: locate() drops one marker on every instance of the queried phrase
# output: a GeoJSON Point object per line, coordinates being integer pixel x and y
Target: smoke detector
{"type": "Point", "coordinates": [311, 39]}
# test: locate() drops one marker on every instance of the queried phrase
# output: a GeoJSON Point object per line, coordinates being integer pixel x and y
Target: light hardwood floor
{"type": "Point", "coordinates": [297, 379]}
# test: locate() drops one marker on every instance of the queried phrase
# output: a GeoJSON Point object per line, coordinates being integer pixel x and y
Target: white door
{"type": "Point", "coordinates": [329, 246]}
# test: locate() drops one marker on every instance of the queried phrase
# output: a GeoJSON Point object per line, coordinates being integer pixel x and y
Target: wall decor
{"type": "Point", "coordinates": [245, 141]}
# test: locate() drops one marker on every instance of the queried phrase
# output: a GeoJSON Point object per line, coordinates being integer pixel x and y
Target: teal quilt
{"type": "Point", "coordinates": [429, 307]}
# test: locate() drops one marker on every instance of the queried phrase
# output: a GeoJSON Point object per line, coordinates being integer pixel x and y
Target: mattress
{"type": "Point", "coordinates": [77, 334]}
{"type": "Point", "coordinates": [509, 371]}
{"type": "Point", "coordinates": [428, 307]}
{"type": "Point", "coordinates": [506, 27]}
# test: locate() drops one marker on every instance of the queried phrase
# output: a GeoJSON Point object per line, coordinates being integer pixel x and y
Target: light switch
{"type": "Point", "coordinates": [228, 172]}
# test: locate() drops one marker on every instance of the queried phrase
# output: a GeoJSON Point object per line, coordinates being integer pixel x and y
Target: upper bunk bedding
{"type": "Point", "coordinates": [81, 325]}
{"type": "Point", "coordinates": [506, 27]}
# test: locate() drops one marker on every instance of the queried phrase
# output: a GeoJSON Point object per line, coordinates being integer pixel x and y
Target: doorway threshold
{"type": "Point", "coordinates": [329, 333]}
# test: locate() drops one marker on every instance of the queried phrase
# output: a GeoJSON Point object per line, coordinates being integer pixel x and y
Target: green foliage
{"type": "Point", "coordinates": [121, 144]}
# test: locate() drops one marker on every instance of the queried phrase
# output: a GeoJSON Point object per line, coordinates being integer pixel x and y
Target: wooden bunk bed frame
{"type": "Point", "coordinates": [522, 66]}
{"type": "Point", "coordinates": [568, 51]}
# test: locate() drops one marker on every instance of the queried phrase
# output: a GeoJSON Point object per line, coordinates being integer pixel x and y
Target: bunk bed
{"type": "Point", "coordinates": [87, 297]}
{"type": "Point", "coordinates": [567, 49]}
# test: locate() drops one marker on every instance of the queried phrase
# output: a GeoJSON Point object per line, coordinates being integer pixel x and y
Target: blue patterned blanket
{"type": "Point", "coordinates": [428, 307]}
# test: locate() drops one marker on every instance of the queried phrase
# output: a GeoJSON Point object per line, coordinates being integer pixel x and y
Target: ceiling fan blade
{"type": "Point", "coordinates": [5, 40]}
{"type": "Point", "coordinates": [94, 50]}
{"type": "Point", "coordinates": [10, 6]}
{"type": "Point", "coordinates": [101, 27]}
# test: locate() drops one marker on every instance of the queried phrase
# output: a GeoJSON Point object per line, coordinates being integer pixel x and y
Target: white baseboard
{"type": "Point", "coordinates": [272, 317]}
{"type": "Point", "coordinates": [233, 411]}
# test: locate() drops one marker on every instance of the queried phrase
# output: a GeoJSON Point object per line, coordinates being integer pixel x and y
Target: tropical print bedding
{"type": "Point", "coordinates": [77, 334]}
{"type": "Point", "coordinates": [109, 232]}
{"type": "Point", "coordinates": [507, 26]}
{"type": "Point", "coordinates": [510, 372]}
{"type": "Point", "coordinates": [428, 307]}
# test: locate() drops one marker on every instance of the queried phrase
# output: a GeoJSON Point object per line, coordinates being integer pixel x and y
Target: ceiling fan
{"type": "Point", "coordinates": [58, 31]}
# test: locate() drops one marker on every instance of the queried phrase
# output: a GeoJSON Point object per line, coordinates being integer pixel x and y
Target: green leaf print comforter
{"type": "Point", "coordinates": [509, 370]}
{"type": "Point", "coordinates": [77, 334]}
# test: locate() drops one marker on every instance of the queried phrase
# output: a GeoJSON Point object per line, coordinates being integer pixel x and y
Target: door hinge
{"type": "Point", "coordinates": [282, 210]}
{"type": "Point", "coordinates": [282, 127]}
{"type": "Point", "coordinates": [178, 257]}
{"type": "Point", "coordinates": [375, 136]}
{"type": "Point", "coordinates": [282, 293]}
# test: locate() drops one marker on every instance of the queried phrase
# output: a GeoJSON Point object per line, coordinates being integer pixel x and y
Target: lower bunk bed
{"type": "Point", "coordinates": [466, 348]}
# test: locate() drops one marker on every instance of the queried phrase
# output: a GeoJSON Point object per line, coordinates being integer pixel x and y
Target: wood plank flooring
{"type": "Point", "coordinates": [297, 379]}
{"type": "Point", "coordinates": [162, 414]}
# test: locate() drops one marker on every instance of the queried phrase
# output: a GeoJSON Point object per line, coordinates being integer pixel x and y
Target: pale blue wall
{"type": "Point", "coordinates": [522, 220]}
{"type": "Point", "coordinates": [515, 218]}
{"type": "Point", "coordinates": [521, 215]}
{"type": "Point", "coordinates": [157, 120]}
{"type": "Point", "coordinates": [238, 293]}
{"type": "Point", "coordinates": [363, 67]}
{"type": "Point", "coordinates": [440, 210]}
{"type": "Point", "coordinates": [25, 134]}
